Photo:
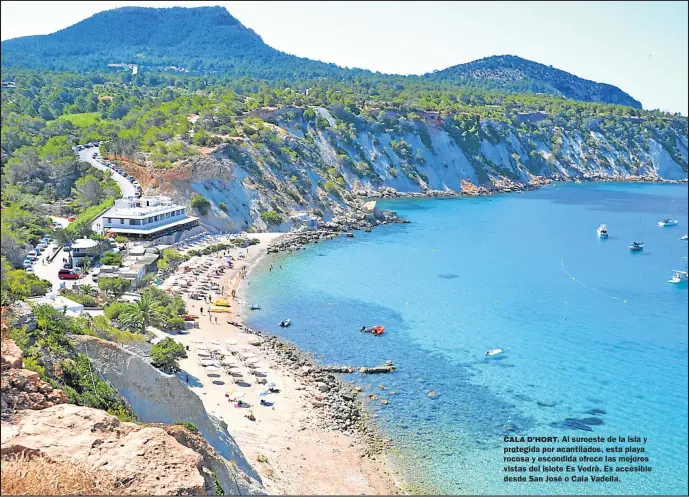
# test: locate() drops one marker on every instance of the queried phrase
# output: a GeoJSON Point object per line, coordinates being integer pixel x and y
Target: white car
{"type": "Point", "coordinates": [29, 269]}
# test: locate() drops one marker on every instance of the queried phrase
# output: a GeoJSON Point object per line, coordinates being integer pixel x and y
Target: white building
{"type": "Point", "coordinates": [60, 303]}
{"type": "Point", "coordinates": [147, 218]}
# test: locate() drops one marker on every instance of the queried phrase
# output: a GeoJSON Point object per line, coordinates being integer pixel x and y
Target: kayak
{"type": "Point", "coordinates": [285, 323]}
{"type": "Point", "coordinates": [222, 303]}
{"type": "Point", "coordinates": [220, 309]}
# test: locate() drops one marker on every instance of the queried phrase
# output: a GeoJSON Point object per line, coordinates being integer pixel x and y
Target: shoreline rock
{"type": "Point", "coordinates": [339, 404]}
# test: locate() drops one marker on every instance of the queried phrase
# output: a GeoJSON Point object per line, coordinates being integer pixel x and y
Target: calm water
{"type": "Point", "coordinates": [584, 324]}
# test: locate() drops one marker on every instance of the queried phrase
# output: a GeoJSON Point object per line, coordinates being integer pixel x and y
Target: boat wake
{"type": "Point", "coordinates": [562, 264]}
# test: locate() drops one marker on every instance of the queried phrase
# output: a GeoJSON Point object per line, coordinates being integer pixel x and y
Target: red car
{"type": "Point", "coordinates": [71, 218]}
{"type": "Point", "coordinates": [68, 274]}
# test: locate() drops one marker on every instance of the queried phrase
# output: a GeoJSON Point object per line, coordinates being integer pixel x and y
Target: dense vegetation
{"type": "Point", "coordinates": [49, 351]}
{"type": "Point", "coordinates": [209, 40]}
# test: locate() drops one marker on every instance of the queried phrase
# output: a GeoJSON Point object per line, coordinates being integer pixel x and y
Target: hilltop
{"type": "Point", "coordinates": [208, 40]}
{"type": "Point", "coordinates": [514, 74]}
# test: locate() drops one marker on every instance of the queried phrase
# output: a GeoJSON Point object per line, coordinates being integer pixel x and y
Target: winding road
{"type": "Point", "coordinates": [126, 187]}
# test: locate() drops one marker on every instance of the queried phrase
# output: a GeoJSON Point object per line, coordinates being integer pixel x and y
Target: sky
{"type": "Point", "coordinates": [640, 47]}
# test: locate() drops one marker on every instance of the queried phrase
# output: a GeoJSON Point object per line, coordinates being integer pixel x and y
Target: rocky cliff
{"type": "Point", "coordinates": [159, 398]}
{"type": "Point", "coordinates": [44, 436]}
{"type": "Point", "coordinates": [291, 170]}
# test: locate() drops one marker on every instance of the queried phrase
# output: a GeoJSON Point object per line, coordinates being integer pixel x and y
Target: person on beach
{"type": "Point", "coordinates": [210, 316]}
{"type": "Point", "coordinates": [187, 378]}
{"type": "Point", "coordinates": [201, 311]}
{"type": "Point", "coordinates": [233, 294]}
{"type": "Point", "coordinates": [216, 319]}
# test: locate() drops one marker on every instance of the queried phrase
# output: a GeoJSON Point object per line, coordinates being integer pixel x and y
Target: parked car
{"type": "Point", "coordinates": [68, 274]}
{"type": "Point", "coordinates": [27, 262]}
{"type": "Point", "coordinates": [66, 248]}
{"type": "Point", "coordinates": [94, 155]}
{"type": "Point", "coordinates": [29, 269]}
{"type": "Point", "coordinates": [72, 218]}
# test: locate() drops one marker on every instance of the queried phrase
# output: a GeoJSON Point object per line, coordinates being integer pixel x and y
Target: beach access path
{"type": "Point", "coordinates": [292, 455]}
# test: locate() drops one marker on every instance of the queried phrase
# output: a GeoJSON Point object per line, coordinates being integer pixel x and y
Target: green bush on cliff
{"type": "Point", "coordinates": [188, 425]}
{"type": "Point", "coordinates": [166, 354]}
{"type": "Point", "coordinates": [271, 217]}
{"type": "Point", "coordinates": [200, 204]}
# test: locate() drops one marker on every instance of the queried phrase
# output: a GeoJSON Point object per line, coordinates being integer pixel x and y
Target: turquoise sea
{"type": "Point", "coordinates": [590, 331]}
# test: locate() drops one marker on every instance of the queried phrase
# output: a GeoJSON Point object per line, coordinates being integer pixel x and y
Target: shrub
{"type": "Point", "coordinates": [111, 259]}
{"type": "Point", "coordinates": [271, 217]}
{"type": "Point", "coordinates": [113, 310]}
{"type": "Point", "coordinates": [188, 425]}
{"type": "Point", "coordinates": [18, 284]}
{"type": "Point", "coordinates": [200, 204]}
{"type": "Point", "coordinates": [223, 206]}
{"type": "Point", "coordinates": [331, 187]}
{"type": "Point", "coordinates": [175, 323]}
{"type": "Point", "coordinates": [116, 286]}
{"type": "Point", "coordinates": [166, 354]}
{"type": "Point", "coordinates": [393, 172]}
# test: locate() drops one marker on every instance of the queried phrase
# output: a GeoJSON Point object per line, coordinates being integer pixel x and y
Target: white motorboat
{"type": "Point", "coordinates": [667, 222]}
{"type": "Point", "coordinates": [255, 307]}
{"type": "Point", "coordinates": [493, 352]}
{"type": "Point", "coordinates": [679, 276]}
{"type": "Point", "coordinates": [685, 237]}
{"type": "Point", "coordinates": [602, 231]}
{"type": "Point", "coordinates": [285, 323]}
{"type": "Point", "coordinates": [636, 246]}
{"type": "Point", "coordinates": [664, 223]}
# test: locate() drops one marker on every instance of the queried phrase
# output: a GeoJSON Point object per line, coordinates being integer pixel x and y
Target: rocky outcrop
{"type": "Point", "coordinates": [23, 389]}
{"type": "Point", "coordinates": [145, 460]}
{"type": "Point", "coordinates": [159, 398]}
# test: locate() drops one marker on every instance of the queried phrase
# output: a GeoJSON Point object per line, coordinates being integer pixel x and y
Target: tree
{"type": "Point", "coordinates": [166, 353]}
{"type": "Point", "coordinates": [115, 286]}
{"type": "Point", "coordinates": [89, 191]}
{"type": "Point", "coordinates": [111, 259]}
{"type": "Point", "coordinates": [201, 204]}
{"type": "Point", "coordinates": [142, 314]}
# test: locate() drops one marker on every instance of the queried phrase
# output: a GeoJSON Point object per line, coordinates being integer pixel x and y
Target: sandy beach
{"type": "Point", "coordinates": [288, 446]}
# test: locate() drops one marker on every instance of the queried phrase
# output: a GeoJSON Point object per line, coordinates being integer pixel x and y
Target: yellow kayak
{"type": "Point", "coordinates": [222, 303]}
{"type": "Point", "coordinates": [220, 309]}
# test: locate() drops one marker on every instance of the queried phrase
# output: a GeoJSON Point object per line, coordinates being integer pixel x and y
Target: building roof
{"type": "Point", "coordinates": [84, 243]}
{"type": "Point", "coordinates": [160, 227]}
{"type": "Point", "coordinates": [131, 207]}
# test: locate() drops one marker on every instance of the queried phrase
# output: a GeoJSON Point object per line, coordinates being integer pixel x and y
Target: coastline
{"type": "Point", "coordinates": [296, 445]}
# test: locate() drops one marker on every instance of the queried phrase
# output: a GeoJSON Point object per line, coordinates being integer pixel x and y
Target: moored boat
{"type": "Point", "coordinates": [374, 330]}
{"type": "Point", "coordinates": [636, 246]}
{"type": "Point", "coordinates": [602, 231]}
{"type": "Point", "coordinates": [285, 323]}
{"type": "Point", "coordinates": [665, 223]}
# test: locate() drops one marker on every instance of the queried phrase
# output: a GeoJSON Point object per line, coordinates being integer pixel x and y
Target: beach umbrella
{"type": "Point", "coordinates": [214, 342]}
{"type": "Point", "coordinates": [197, 340]}
{"type": "Point", "coordinates": [212, 368]}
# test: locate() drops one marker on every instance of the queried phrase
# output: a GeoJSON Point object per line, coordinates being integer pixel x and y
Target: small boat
{"type": "Point", "coordinates": [374, 330]}
{"type": "Point", "coordinates": [664, 223]}
{"type": "Point", "coordinates": [602, 231]}
{"type": "Point", "coordinates": [679, 276]}
{"type": "Point", "coordinates": [493, 352]}
{"type": "Point", "coordinates": [220, 309]}
{"type": "Point", "coordinates": [636, 246]}
{"type": "Point", "coordinates": [685, 237]}
{"type": "Point", "coordinates": [255, 307]}
{"type": "Point", "coordinates": [222, 303]}
{"type": "Point", "coordinates": [285, 323]}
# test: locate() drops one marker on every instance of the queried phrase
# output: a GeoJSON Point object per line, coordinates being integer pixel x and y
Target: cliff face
{"type": "Point", "coordinates": [304, 169]}
{"type": "Point", "coordinates": [42, 433]}
{"type": "Point", "coordinates": [159, 398]}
